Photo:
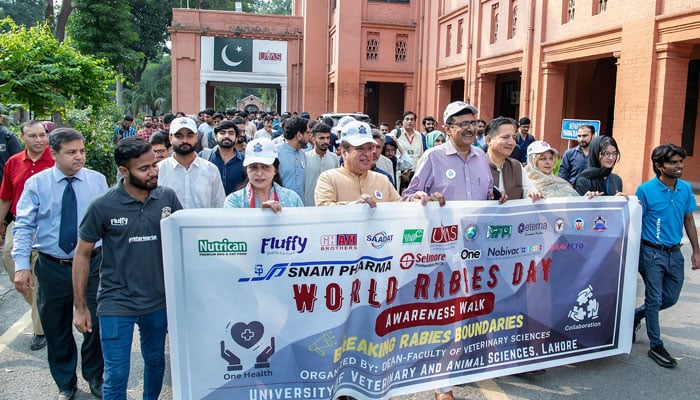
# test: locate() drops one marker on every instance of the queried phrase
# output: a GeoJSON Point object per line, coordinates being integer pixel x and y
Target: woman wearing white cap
{"type": "Point", "coordinates": [540, 163]}
{"type": "Point", "coordinates": [263, 186]}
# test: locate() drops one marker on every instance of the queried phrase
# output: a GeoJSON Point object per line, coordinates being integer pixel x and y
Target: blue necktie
{"type": "Point", "coordinates": [68, 235]}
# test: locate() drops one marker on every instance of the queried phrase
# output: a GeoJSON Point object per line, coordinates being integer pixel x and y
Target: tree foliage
{"type": "Point", "coordinates": [45, 76]}
{"type": "Point", "coordinates": [154, 89]}
{"type": "Point", "coordinates": [25, 12]}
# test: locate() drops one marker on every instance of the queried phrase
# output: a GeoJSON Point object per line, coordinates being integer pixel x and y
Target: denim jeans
{"type": "Point", "coordinates": [662, 273]}
{"type": "Point", "coordinates": [116, 336]}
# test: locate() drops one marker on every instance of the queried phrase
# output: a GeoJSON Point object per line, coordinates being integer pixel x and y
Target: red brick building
{"type": "Point", "coordinates": [634, 66]}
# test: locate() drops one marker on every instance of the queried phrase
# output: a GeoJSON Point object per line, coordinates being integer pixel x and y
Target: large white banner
{"type": "Point", "coordinates": [314, 303]}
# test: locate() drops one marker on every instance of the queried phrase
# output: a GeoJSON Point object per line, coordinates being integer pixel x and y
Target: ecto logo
{"type": "Point", "coordinates": [444, 234]}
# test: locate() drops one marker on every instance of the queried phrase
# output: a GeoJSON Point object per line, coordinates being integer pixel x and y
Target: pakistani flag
{"type": "Point", "coordinates": [233, 54]}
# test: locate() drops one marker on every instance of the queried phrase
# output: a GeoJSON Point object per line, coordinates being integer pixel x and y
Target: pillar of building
{"type": "Point", "coordinates": [552, 102]}
{"type": "Point", "coordinates": [485, 89]}
{"type": "Point", "coordinates": [315, 64]}
{"type": "Point", "coordinates": [442, 89]}
{"type": "Point", "coordinates": [185, 71]}
{"type": "Point", "coordinates": [634, 108]}
{"type": "Point", "coordinates": [348, 97]}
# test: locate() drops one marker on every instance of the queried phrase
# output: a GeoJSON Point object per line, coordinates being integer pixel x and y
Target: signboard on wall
{"type": "Point", "coordinates": [569, 127]}
{"type": "Point", "coordinates": [246, 55]}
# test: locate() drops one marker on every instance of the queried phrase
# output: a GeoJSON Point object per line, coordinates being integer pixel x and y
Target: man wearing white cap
{"type": "Point", "coordinates": [456, 169]}
{"type": "Point", "coordinates": [353, 182]}
{"type": "Point", "coordinates": [196, 181]}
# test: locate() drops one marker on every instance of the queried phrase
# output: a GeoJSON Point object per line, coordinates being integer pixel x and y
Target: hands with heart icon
{"type": "Point", "coordinates": [262, 359]}
{"type": "Point", "coordinates": [234, 363]}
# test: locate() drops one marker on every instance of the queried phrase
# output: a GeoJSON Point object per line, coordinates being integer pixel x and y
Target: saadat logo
{"type": "Point", "coordinates": [223, 247]}
{"type": "Point", "coordinates": [444, 234]}
{"type": "Point", "coordinates": [412, 236]}
{"type": "Point", "coordinates": [379, 239]}
{"type": "Point", "coordinates": [289, 245]}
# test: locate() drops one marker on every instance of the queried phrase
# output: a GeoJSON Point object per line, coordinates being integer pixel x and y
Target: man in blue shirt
{"type": "Point", "coordinates": [524, 138]}
{"type": "Point", "coordinates": [124, 130]}
{"type": "Point", "coordinates": [225, 156]}
{"type": "Point", "coordinates": [297, 134]}
{"type": "Point", "coordinates": [668, 204]}
{"type": "Point", "coordinates": [575, 159]}
{"type": "Point", "coordinates": [47, 222]}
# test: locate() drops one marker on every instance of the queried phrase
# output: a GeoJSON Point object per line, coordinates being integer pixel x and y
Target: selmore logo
{"type": "Point", "coordinates": [499, 231]}
{"type": "Point", "coordinates": [341, 241]}
{"type": "Point", "coordinates": [288, 245]}
{"type": "Point", "coordinates": [379, 239]}
{"type": "Point", "coordinates": [532, 228]}
{"type": "Point", "coordinates": [223, 247]}
{"type": "Point", "coordinates": [412, 236]}
{"type": "Point", "coordinates": [119, 221]}
{"type": "Point", "coordinates": [408, 260]}
{"type": "Point", "coordinates": [445, 234]}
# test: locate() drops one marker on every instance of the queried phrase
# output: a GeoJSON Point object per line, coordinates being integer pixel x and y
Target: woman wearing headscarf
{"type": "Point", "coordinates": [597, 179]}
{"type": "Point", "coordinates": [435, 138]}
{"type": "Point", "coordinates": [540, 163]}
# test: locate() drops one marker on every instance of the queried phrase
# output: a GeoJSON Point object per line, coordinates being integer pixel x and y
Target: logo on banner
{"type": "Point", "coordinates": [408, 260]}
{"type": "Point", "coordinates": [269, 56]}
{"type": "Point", "coordinates": [586, 307]}
{"type": "Point", "coordinates": [233, 54]}
{"type": "Point", "coordinates": [532, 228]}
{"type": "Point", "coordinates": [223, 247]}
{"type": "Point", "coordinates": [444, 234]}
{"type": "Point", "coordinates": [600, 224]}
{"type": "Point", "coordinates": [505, 251]}
{"type": "Point", "coordinates": [245, 336]}
{"type": "Point", "coordinates": [578, 224]}
{"type": "Point", "coordinates": [468, 254]}
{"type": "Point", "coordinates": [412, 236]}
{"type": "Point", "coordinates": [324, 343]}
{"type": "Point", "coordinates": [305, 269]}
{"type": "Point", "coordinates": [471, 232]}
{"type": "Point", "coordinates": [559, 225]}
{"type": "Point", "coordinates": [341, 241]}
{"type": "Point", "coordinates": [379, 239]}
{"type": "Point", "coordinates": [499, 231]}
{"type": "Point", "coordinates": [567, 246]}
{"type": "Point", "coordinates": [289, 245]}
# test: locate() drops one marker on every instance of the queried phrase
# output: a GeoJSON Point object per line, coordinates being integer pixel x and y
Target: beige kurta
{"type": "Point", "coordinates": [340, 186]}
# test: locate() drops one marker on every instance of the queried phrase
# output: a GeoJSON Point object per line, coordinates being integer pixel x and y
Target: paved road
{"type": "Point", "coordinates": [24, 373]}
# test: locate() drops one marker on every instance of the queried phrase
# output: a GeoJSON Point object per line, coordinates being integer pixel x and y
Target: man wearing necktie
{"type": "Point", "coordinates": [48, 213]}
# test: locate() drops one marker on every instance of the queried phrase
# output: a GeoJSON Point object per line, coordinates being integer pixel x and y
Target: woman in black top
{"type": "Point", "coordinates": [597, 179]}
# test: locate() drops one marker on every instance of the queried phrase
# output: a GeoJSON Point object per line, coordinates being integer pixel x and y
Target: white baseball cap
{"type": "Point", "coordinates": [357, 133]}
{"type": "Point", "coordinates": [456, 107]}
{"type": "Point", "coordinates": [341, 123]}
{"type": "Point", "coordinates": [182, 122]}
{"type": "Point", "coordinates": [539, 147]}
{"type": "Point", "coordinates": [261, 150]}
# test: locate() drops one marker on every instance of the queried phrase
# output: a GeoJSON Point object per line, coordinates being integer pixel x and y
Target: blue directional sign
{"type": "Point", "coordinates": [569, 127]}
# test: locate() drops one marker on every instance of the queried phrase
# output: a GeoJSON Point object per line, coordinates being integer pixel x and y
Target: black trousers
{"type": "Point", "coordinates": [55, 303]}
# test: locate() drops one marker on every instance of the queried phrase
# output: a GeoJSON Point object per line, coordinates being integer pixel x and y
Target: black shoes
{"type": "Point", "coordinates": [96, 387]}
{"type": "Point", "coordinates": [661, 356]}
{"type": "Point", "coordinates": [38, 342]}
{"type": "Point", "coordinates": [637, 325]}
{"type": "Point", "coordinates": [67, 394]}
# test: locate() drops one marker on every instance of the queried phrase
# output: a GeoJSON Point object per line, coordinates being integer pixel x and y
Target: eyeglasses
{"type": "Point", "coordinates": [159, 152]}
{"type": "Point", "coordinates": [609, 154]}
{"type": "Point", "coordinates": [465, 124]}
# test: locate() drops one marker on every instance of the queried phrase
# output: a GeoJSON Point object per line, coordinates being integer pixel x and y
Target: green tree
{"type": "Point", "coordinates": [151, 20]}
{"type": "Point", "coordinates": [154, 90]}
{"type": "Point", "coordinates": [45, 76]}
{"type": "Point", "coordinates": [26, 12]}
{"type": "Point", "coordinates": [280, 7]}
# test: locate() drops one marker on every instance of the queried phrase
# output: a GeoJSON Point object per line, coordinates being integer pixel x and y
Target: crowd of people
{"type": "Point", "coordinates": [72, 243]}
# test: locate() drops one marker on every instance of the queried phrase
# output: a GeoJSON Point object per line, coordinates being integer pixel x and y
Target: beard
{"type": "Point", "coordinates": [143, 185]}
{"type": "Point", "coordinates": [226, 144]}
{"type": "Point", "coordinates": [183, 149]}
